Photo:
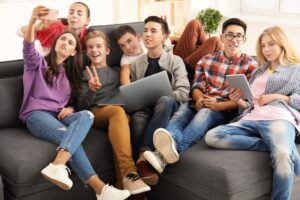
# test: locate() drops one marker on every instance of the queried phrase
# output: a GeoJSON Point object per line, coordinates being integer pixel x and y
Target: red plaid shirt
{"type": "Point", "coordinates": [211, 70]}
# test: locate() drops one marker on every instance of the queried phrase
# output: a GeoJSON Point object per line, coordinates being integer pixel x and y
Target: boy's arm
{"type": "Point", "coordinates": [125, 74]}
{"type": "Point", "coordinates": [182, 85]}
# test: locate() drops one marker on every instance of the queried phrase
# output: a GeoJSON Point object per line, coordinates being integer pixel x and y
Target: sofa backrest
{"type": "Point", "coordinates": [11, 92]}
{"type": "Point", "coordinates": [115, 51]}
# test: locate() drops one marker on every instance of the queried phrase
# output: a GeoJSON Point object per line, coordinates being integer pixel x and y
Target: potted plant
{"type": "Point", "coordinates": [210, 18]}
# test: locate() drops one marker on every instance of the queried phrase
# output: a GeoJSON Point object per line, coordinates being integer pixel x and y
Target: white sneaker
{"type": "Point", "coordinates": [134, 184]}
{"type": "Point", "coordinates": [156, 160]}
{"type": "Point", "coordinates": [165, 145]}
{"type": "Point", "coordinates": [58, 174]}
{"type": "Point", "coordinates": [111, 193]}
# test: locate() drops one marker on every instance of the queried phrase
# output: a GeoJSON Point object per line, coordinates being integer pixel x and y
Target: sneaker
{"type": "Point", "coordinates": [147, 173]}
{"type": "Point", "coordinates": [134, 184]}
{"type": "Point", "coordinates": [111, 193]}
{"type": "Point", "coordinates": [165, 145]}
{"type": "Point", "coordinates": [156, 160]}
{"type": "Point", "coordinates": [58, 174]}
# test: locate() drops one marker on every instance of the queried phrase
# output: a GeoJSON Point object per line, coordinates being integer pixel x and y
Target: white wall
{"type": "Point", "coordinates": [15, 13]}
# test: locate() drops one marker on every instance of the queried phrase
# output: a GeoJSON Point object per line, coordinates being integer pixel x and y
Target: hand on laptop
{"type": "Point", "coordinates": [94, 82]}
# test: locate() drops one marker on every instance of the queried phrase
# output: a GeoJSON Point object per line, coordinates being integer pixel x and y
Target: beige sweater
{"type": "Point", "coordinates": [171, 63]}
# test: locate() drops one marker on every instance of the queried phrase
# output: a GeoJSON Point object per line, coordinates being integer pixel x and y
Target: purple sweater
{"type": "Point", "coordinates": [38, 94]}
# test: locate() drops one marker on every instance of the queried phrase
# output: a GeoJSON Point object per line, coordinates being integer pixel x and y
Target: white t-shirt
{"type": "Point", "coordinates": [129, 59]}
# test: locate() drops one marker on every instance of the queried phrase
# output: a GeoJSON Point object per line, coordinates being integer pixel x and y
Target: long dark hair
{"type": "Point", "coordinates": [73, 66]}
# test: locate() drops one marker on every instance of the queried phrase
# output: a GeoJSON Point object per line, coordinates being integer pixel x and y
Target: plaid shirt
{"type": "Point", "coordinates": [211, 70]}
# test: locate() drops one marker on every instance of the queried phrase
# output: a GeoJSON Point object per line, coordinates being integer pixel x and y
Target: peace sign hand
{"type": "Point", "coordinates": [94, 82]}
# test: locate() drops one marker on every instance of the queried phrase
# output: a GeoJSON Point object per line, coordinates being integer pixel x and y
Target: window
{"type": "Point", "coordinates": [271, 7]}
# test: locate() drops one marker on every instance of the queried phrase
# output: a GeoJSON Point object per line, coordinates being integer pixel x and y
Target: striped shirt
{"type": "Point", "coordinates": [211, 71]}
{"type": "Point", "coordinates": [285, 81]}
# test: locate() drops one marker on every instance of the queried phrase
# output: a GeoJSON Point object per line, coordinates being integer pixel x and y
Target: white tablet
{"type": "Point", "coordinates": [240, 81]}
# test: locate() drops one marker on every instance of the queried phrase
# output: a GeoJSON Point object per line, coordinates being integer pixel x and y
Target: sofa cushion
{"type": "Point", "coordinates": [20, 167]}
{"type": "Point", "coordinates": [10, 101]}
{"type": "Point", "coordinates": [222, 174]}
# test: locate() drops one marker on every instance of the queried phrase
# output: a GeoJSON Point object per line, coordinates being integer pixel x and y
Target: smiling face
{"type": "Point", "coordinates": [130, 44]}
{"type": "Point", "coordinates": [270, 49]}
{"type": "Point", "coordinates": [233, 39]}
{"type": "Point", "coordinates": [97, 51]}
{"type": "Point", "coordinates": [78, 17]}
{"type": "Point", "coordinates": [66, 45]}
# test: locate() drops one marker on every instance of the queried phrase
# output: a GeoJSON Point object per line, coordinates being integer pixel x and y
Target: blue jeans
{"type": "Point", "coordinates": [162, 111]}
{"type": "Point", "coordinates": [275, 136]}
{"type": "Point", "coordinates": [138, 125]}
{"type": "Point", "coordinates": [68, 134]}
{"type": "Point", "coordinates": [187, 126]}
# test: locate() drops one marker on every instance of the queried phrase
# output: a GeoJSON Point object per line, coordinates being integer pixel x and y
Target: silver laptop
{"type": "Point", "coordinates": [146, 91]}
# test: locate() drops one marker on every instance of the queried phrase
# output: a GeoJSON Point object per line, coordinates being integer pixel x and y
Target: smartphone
{"type": "Point", "coordinates": [52, 15]}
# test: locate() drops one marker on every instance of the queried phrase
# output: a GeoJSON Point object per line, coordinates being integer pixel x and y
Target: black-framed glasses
{"type": "Point", "coordinates": [230, 37]}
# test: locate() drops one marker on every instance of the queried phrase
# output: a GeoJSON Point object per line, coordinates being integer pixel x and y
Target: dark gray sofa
{"type": "Point", "coordinates": [201, 173]}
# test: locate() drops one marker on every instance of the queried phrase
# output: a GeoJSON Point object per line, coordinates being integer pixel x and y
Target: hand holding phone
{"type": "Point", "coordinates": [51, 15]}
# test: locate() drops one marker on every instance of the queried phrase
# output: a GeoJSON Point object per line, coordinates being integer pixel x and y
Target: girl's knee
{"type": "Point", "coordinates": [282, 162]}
{"type": "Point", "coordinates": [87, 114]}
{"type": "Point", "coordinates": [210, 138]}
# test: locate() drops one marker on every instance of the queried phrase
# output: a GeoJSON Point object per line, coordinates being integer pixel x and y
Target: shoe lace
{"type": "Point", "coordinates": [132, 177]}
{"type": "Point", "coordinates": [68, 170]}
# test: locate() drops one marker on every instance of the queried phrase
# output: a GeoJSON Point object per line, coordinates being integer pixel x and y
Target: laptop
{"type": "Point", "coordinates": [146, 91]}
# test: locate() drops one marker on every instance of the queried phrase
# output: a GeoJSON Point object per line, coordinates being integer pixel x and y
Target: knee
{"type": "Point", "coordinates": [87, 114]}
{"type": "Point", "coordinates": [210, 138]}
{"type": "Point", "coordinates": [119, 113]}
{"type": "Point", "coordinates": [194, 23]}
{"type": "Point", "coordinates": [282, 162]}
{"type": "Point", "coordinates": [165, 100]}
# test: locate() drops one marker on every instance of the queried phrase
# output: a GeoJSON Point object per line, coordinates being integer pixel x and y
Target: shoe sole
{"type": "Point", "coordinates": [56, 182]}
{"type": "Point", "coordinates": [153, 162]}
{"type": "Point", "coordinates": [141, 190]}
{"type": "Point", "coordinates": [165, 145]}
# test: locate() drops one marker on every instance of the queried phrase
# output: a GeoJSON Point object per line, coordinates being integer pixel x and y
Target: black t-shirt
{"type": "Point", "coordinates": [153, 67]}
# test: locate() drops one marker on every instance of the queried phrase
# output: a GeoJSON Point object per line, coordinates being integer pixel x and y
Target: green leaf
{"type": "Point", "coordinates": [210, 18]}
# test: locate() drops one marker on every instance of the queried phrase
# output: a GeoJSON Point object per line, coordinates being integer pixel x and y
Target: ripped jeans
{"type": "Point", "coordinates": [67, 134]}
{"type": "Point", "coordinates": [274, 136]}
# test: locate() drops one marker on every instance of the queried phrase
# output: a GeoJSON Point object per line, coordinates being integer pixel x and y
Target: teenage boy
{"type": "Point", "coordinates": [132, 46]}
{"type": "Point", "coordinates": [210, 94]}
{"type": "Point", "coordinates": [100, 94]}
{"type": "Point", "coordinates": [156, 60]}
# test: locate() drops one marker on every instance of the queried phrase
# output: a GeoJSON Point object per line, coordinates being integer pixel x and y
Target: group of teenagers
{"type": "Point", "coordinates": [62, 97]}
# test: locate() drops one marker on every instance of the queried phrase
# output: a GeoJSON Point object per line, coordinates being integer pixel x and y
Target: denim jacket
{"type": "Point", "coordinates": [285, 81]}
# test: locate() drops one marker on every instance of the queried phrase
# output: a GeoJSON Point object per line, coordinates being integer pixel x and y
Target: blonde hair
{"type": "Point", "coordinates": [288, 55]}
{"type": "Point", "coordinates": [94, 34]}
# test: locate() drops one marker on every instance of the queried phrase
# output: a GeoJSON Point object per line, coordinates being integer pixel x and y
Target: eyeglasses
{"type": "Point", "coordinates": [238, 37]}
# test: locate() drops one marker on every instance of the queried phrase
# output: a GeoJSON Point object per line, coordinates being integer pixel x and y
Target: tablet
{"type": "Point", "coordinates": [240, 81]}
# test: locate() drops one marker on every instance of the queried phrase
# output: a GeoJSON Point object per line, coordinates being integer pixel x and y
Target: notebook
{"type": "Point", "coordinates": [240, 81]}
{"type": "Point", "coordinates": [146, 91]}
